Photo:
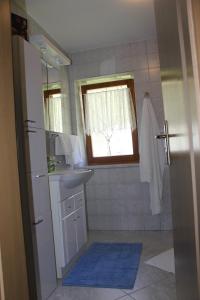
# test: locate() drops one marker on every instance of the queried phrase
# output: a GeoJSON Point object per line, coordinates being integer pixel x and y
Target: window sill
{"type": "Point", "coordinates": [113, 166]}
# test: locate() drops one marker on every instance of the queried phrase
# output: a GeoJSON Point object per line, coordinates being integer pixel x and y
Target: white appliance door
{"type": "Point", "coordinates": [182, 140]}
{"type": "Point", "coordinates": [81, 233]}
{"type": "Point", "coordinates": [45, 255]}
{"type": "Point", "coordinates": [43, 230]}
{"type": "Point", "coordinates": [69, 232]}
{"type": "Point", "coordinates": [35, 140]}
{"type": "Point", "coordinates": [31, 72]}
{"type": "Point", "coordinates": [40, 194]}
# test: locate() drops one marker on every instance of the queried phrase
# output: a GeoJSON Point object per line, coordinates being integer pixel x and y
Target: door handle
{"type": "Point", "coordinates": [166, 136]}
{"type": "Point", "coordinates": [29, 121]}
{"type": "Point", "coordinates": [39, 176]}
{"type": "Point", "coordinates": [31, 131]}
{"type": "Point", "coordinates": [161, 136]}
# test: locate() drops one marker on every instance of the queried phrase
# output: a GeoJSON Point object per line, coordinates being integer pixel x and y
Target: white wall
{"type": "Point", "coordinates": [116, 199]}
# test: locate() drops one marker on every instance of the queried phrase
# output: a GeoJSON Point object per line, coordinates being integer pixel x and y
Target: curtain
{"type": "Point", "coordinates": [107, 111]}
{"type": "Point", "coordinates": [53, 113]}
{"type": "Point", "coordinates": [66, 111]}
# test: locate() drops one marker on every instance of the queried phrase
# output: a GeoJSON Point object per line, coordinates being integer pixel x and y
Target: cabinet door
{"type": "Point", "coordinates": [35, 140]}
{"type": "Point", "coordinates": [31, 82]}
{"type": "Point", "coordinates": [40, 194]}
{"type": "Point", "coordinates": [45, 256]}
{"type": "Point", "coordinates": [69, 232]}
{"type": "Point", "coordinates": [81, 231]}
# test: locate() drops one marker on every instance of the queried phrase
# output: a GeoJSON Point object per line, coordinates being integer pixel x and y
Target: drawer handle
{"type": "Point", "coordinates": [74, 220]}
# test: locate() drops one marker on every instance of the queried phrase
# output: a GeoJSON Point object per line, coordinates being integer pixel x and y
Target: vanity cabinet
{"type": "Point", "coordinates": [81, 234]}
{"type": "Point", "coordinates": [69, 222]}
{"type": "Point", "coordinates": [69, 235]}
{"type": "Point", "coordinates": [74, 231]}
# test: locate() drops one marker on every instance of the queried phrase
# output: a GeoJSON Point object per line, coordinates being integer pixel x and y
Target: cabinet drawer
{"type": "Point", "coordinates": [79, 200]}
{"type": "Point", "coordinates": [67, 192]}
{"type": "Point", "coordinates": [67, 206]}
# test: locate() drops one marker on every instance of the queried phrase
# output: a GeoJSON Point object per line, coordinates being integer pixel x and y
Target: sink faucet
{"type": "Point", "coordinates": [69, 163]}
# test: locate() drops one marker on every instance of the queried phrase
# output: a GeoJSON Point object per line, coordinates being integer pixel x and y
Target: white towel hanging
{"type": "Point", "coordinates": [151, 155]}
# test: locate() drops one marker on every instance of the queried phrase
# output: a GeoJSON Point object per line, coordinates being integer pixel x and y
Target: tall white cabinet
{"type": "Point", "coordinates": [28, 87]}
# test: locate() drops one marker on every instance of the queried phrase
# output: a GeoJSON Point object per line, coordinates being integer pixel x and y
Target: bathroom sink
{"type": "Point", "coordinates": [71, 178]}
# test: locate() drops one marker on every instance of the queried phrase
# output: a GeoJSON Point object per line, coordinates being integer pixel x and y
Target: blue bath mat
{"type": "Point", "coordinates": [106, 265]}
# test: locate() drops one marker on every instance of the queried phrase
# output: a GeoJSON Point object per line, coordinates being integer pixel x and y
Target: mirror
{"type": "Point", "coordinates": [52, 96]}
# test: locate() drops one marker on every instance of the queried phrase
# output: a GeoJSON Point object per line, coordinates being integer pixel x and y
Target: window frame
{"type": "Point", "coordinates": [120, 159]}
{"type": "Point", "coordinates": [48, 93]}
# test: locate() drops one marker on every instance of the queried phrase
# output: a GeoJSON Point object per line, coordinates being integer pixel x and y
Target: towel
{"type": "Point", "coordinates": [151, 155]}
{"type": "Point", "coordinates": [76, 149]}
{"type": "Point", "coordinates": [63, 146]}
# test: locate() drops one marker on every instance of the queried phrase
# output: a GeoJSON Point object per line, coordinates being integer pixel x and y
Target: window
{"type": "Point", "coordinates": [53, 110]}
{"type": "Point", "coordinates": [111, 131]}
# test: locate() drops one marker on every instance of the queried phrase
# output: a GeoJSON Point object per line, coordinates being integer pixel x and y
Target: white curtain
{"type": "Point", "coordinates": [66, 111]}
{"type": "Point", "coordinates": [53, 113]}
{"type": "Point", "coordinates": [107, 111]}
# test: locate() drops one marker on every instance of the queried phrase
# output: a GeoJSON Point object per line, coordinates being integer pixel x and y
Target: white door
{"type": "Point", "coordinates": [44, 242]}
{"type": "Point", "coordinates": [31, 71]}
{"type": "Point", "coordinates": [184, 143]}
{"type": "Point", "coordinates": [40, 194]}
{"type": "Point", "coordinates": [35, 140]}
{"type": "Point", "coordinates": [45, 255]}
{"type": "Point", "coordinates": [69, 232]}
{"type": "Point", "coordinates": [81, 233]}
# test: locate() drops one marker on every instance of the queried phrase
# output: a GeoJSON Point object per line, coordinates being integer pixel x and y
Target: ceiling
{"type": "Point", "coordinates": [78, 25]}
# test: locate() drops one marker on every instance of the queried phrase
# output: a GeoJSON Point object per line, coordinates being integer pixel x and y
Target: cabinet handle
{"type": "Point", "coordinates": [74, 220]}
{"type": "Point", "coordinates": [29, 121]}
{"type": "Point", "coordinates": [38, 222]}
{"type": "Point", "coordinates": [39, 176]}
{"type": "Point", "coordinates": [31, 131]}
{"type": "Point", "coordinates": [69, 207]}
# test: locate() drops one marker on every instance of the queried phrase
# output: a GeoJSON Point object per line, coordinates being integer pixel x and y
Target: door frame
{"type": "Point", "coordinates": [14, 283]}
{"type": "Point", "coordinates": [193, 10]}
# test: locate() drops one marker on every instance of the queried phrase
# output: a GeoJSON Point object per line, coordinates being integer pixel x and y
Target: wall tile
{"type": "Point", "coordinates": [152, 46]}
{"type": "Point", "coordinates": [166, 222]}
{"type": "Point", "coordinates": [122, 51]}
{"type": "Point", "coordinates": [124, 64]}
{"type": "Point", "coordinates": [152, 222]}
{"type": "Point", "coordinates": [153, 60]}
{"type": "Point", "coordinates": [140, 62]}
{"type": "Point", "coordinates": [156, 91]}
{"type": "Point", "coordinates": [138, 48]}
{"type": "Point", "coordinates": [108, 66]}
{"type": "Point", "coordinates": [141, 76]}
{"type": "Point", "coordinates": [116, 199]}
{"type": "Point", "coordinates": [154, 75]}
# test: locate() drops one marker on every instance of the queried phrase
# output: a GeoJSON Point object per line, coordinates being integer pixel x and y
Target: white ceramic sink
{"type": "Point", "coordinates": [71, 178]}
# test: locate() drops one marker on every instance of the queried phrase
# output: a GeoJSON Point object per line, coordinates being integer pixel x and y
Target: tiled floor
{"type": "Point", "coordinates": [151, 283]}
